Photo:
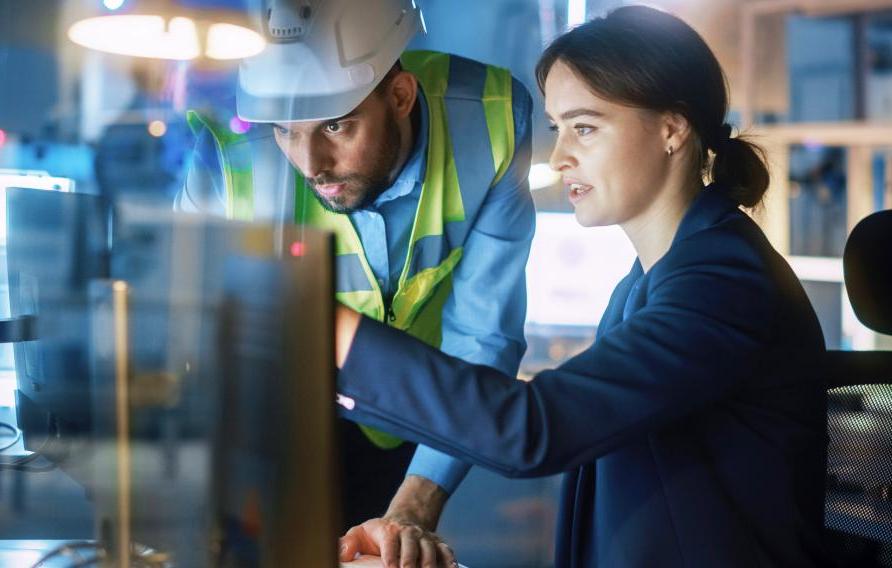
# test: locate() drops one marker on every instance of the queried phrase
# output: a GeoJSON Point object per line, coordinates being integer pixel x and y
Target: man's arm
{"type": "Point", "coordinates": [483, 322]}
{"type": "Point", "coordinates": [204, 190]}
{"type": "Point", "coordinates": [483, 318]}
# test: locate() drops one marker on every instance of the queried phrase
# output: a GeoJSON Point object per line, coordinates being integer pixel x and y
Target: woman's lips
{"type": "Point", "coordinates": [578, 191]}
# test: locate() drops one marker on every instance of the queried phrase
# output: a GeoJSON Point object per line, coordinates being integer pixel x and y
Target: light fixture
{"type": "Point", "coordinates": [157, 128]}
{"type": "Point", "coordinates": [575, 12]}
{"type": "Point", "coordinates": [542, 176]}
{"type": "Point", "coordinates": [166, 30]}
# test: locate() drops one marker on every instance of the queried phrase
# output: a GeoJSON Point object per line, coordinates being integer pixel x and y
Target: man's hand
{"type": "Point", "coordinates": [404, 537]}
{"type": "Point", "coordinates": [399, 542]}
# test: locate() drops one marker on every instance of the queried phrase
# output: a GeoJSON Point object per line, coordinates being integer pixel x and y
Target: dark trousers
{"type": "Point", "coordinates": [371, 475]}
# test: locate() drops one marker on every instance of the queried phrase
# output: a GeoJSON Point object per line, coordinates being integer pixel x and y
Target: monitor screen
{"type": "Point", "coordinates": [573, 269]}
{"type": "Point", "coordinates": [57, 243]}
{"type": "Point", "coordinates": [277, 455]}
{"type": "Point", "coordinates": [210, 421]}
{"type": "Point", "coordinates": [231, 455]}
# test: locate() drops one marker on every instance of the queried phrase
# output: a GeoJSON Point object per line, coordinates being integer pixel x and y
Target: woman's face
{"type": "Point", "coordinates": [612, 158]}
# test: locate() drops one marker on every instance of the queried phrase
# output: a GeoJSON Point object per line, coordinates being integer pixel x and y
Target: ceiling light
{"type": "Point", "coordinates": [138, 36]}
{"type": "Point", "coordinates": [164, 31]}
{"type": "Point", "coordinates": [228, 41]}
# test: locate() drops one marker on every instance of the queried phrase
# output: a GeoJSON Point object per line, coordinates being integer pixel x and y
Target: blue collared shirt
{"type": "Point", "coordinates": [484, 315]}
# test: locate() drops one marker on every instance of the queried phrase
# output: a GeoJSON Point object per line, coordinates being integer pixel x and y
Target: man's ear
{"type": "Point", "coordinates": [402, 92]}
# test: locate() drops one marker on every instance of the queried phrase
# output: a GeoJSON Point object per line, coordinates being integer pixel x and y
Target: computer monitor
{"type": "Point", "coordinates": [209, 422]}
{"type": "Point", "coordinates": [229, 456]}
{"type": "Point", "coordinates": [57, 243]}
{"type": "Point", "coordinates": [278, 485]}
{"type": "Point", "coordinates": [154, 421]}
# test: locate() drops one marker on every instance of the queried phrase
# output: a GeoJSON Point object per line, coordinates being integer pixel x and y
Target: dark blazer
{"type": "Point", "coordinates": [692, 432]}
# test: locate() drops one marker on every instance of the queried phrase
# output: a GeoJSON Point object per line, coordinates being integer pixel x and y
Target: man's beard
{"type": "Point", "coordinates": [360, 190]}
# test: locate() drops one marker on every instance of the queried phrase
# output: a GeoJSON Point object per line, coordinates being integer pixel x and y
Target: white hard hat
{"type": "Point", "coordinates": [323, 57]}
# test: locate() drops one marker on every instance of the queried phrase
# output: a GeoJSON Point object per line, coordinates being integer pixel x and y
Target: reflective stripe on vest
{"type": "Point", "coordinates": [470, 146]}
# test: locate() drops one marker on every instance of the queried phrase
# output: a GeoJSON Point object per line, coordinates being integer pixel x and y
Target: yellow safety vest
{"type": "Point", "coordinates": [470, 146]}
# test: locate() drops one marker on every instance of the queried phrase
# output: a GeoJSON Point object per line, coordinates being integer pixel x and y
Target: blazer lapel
{"type": "Point", "coordinates": [613, 315]}
{"type": "Point", "coordinates": [710, 205]}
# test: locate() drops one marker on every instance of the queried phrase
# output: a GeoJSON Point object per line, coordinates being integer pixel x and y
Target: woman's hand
{"type": "Point", "coordinates": [346, 324]}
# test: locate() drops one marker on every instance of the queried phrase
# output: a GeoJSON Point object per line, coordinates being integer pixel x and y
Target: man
{"type": "Point", "coordinates": [418, 162]}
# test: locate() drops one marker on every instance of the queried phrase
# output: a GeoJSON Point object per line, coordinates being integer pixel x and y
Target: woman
{"type": "Point", "coordinates": [691, 433]}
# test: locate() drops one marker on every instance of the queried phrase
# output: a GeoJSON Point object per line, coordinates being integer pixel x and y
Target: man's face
{"type": "Point", "coordinates": [347, 161]}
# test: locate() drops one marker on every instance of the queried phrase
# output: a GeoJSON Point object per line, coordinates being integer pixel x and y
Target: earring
{"type": "Point", "coordinates": [669, 151]}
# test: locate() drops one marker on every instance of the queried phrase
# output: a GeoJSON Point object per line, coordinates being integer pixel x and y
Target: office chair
{"type": "Point", "coordinates": [859, 417]}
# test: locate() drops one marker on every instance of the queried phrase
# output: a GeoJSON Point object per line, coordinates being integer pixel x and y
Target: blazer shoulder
{"type": "Point", "coordinates": [734, 242]}
{"type": "Point", "coordinates": [729, 262]}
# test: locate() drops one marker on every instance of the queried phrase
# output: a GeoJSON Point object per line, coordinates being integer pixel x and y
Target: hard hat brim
{"type": "Point", "coordinates": [266, 108]}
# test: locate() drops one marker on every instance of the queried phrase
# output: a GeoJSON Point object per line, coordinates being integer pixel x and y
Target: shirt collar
{"type": "Point", "coordinates": [413, 170]}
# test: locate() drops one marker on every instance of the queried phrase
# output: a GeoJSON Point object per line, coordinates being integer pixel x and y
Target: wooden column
{"type": "Point", "coordinates": [774, 215]}
{"type": "Point", "coordinates": [859, 185]}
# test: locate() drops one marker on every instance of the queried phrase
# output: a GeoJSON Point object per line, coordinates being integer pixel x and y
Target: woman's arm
{"type": "Point", "coordinates": [702, 333]}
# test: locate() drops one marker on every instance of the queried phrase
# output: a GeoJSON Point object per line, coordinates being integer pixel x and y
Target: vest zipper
{"type": "Point", "coordinates": [389, 314]}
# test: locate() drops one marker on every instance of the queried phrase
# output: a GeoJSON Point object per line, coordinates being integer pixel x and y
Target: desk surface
{"type": "Point", "coordinates": [364, 562]}
{"type": "Point", "coordinates": [368, 562]}
{"type": "Point", "coordinates": [29, 552]}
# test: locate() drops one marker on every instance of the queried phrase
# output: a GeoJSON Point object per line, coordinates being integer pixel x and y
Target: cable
{"type": "Point", "coordinates": [15, 432]}
{"type": "Point", "coordinates": [21, 466]}
{"type": "Point", "coordinates": [147, 558]}
{"type": "Point", "coordinates": [20, 463]}
{"type": "Point", "coordinates": [91, 561]}
{"type": "Point", "coordinates": [69, 549]}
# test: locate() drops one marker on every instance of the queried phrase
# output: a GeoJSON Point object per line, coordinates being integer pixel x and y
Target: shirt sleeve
{"type": "Point", "coordinates": [702, 334]}
{"type": "Point", "coordinates": [204, 190]}
{"type": "Point", "coordinates": [484, 316]}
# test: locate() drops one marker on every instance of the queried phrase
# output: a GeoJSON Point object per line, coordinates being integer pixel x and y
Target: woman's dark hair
{"type": "Point", "coordinates": [645, 58]}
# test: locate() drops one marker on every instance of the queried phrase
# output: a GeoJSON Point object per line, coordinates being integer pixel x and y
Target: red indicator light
{"type": "Point", "coordinates": [297, 248]}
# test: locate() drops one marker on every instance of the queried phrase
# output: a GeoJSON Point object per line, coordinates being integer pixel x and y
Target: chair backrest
{"type": "Point", "coordinates": [859, 419]}
{"type": "Point", "coordinates": [867, 264]}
